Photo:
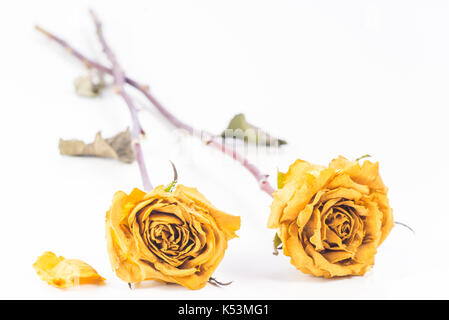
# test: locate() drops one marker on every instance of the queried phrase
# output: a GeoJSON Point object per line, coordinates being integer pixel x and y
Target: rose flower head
{"type": "Point", "coordinates": [331, 220]}
{"type": "Point", "coordinates": [174, 237]}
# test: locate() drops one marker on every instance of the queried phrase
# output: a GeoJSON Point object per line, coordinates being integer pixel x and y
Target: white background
{"type": "Point", "coordinates": [331, 77]}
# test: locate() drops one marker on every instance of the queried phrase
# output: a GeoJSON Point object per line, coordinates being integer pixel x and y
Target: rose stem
{"type": "Point", "coordinates": [119, 81]}
{"type": "Point", "coordinates": [211, 140]}
{"type": "Point", "coordinates": [260, 177]}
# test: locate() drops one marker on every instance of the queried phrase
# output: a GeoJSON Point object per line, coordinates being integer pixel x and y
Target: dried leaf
{"type": "Point", "coordinates": [239, 128]}
{"type": "Point", "coordinates": [277, 244]}
{"type": "Point", "coordinates": [281, 176]}
{"type": "Point", "coordinates": [117, 147]}
{"type": "Point", "coordinates": [90, 85]}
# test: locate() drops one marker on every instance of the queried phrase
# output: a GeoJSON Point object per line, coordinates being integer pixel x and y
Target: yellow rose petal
{"type": "Point", "coordinates": [63, 273]}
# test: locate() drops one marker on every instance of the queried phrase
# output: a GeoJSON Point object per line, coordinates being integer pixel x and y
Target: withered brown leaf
{"type": "Point", "coordinates": [241, 129]}
{"type": "Point", "coordinates": [90, 85]}
{"type": "Point", "coordinates": [117, 147]}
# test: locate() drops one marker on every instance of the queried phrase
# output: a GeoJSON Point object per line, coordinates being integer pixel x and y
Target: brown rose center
{"type": "Point", "coordinates": [341, 226]}
{"type": "Point", "coordinates": [340, 223]}
{"type": "Point", "coordinates": [171, 239]}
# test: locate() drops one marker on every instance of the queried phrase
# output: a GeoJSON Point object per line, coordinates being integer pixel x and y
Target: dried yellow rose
{"type": "Point", "coordinates": [175, 237]}
{"type": "Point", "coordinates": [331, 220]}
{"type": "Point", "coordinates": [63, 273]}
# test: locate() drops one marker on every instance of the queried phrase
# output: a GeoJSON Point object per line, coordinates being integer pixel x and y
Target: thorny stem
{"type": "Point", "coordinates": [119, 81]}
{"type": "Point", "coordinates": [210, 139]}
{"type": "Point", "coordinates": [136, 130]}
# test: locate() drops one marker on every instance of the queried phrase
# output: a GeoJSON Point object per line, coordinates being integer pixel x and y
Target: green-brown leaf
{"type": "Point", "coordinates": [90, 85]}
{"type": "Point", "coordinates": [281, 177]}
{"type": "Point", "coordinates": [277, 244]}
{"type": "Point", "coordinates": [241, 129]}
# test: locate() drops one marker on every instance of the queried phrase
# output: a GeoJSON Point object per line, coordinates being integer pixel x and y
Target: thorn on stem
{"type": "Point", "coordinates": [217, 283]}
{"type": "Point", "coordinates": [404, 225]}
{"type": "Point", "coordinates": [130, 285]}
{"type": "Point", "coordinates": [175, 172]}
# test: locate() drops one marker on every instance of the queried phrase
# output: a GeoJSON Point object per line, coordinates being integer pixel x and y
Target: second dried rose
{"type": "Point", "coordinates": [331, 219]}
